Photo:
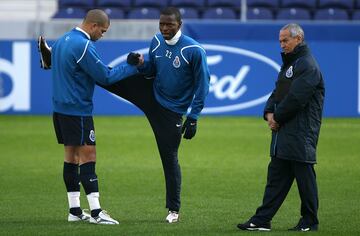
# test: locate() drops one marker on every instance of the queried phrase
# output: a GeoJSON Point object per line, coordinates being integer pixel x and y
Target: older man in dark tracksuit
{"type": "Point", "coordinates": [293, 112]}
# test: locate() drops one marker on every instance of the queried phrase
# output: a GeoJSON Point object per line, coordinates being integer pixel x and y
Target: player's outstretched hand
{"type": "Point", "coordinates": [189, 128]}
{"type": "Point", "coordinates": [133, 58]}
{"type": "Point", "coordinates": [45, 53]}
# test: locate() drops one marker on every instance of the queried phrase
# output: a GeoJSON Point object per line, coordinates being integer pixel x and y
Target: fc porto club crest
{"type": "Point", "coordinates": [289, 72]}
{"type": "Point", "coordinates": [176, 62]}
{"type": "Point", "coordinates": [92, 135]}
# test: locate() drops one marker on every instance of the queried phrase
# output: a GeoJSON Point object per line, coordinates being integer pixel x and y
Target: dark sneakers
{"type": "Point", "coordinates": [303, 227]}
{"type": "Point", "coordinates": [253, 227]}
{"type": "Point", "coordinates": [45, 53]}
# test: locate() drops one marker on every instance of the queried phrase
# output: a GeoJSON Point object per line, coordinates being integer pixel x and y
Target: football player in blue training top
{"type": "Point", "coordinates": [181, 73]}
{"type": "Point", "coordinates": [180, 79]}
{"type": "Point", "coordinates": [76, 67]}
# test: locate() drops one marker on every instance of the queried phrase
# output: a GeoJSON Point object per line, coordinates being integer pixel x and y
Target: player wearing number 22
{"type": "Point", "coordinates": [180, 73]}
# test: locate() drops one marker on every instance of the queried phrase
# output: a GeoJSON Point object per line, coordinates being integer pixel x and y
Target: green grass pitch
{"type": "Point", "coordinates": [224, 173]}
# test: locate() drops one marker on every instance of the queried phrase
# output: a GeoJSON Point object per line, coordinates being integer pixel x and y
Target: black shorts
{"type": "Point", "coordinates": [74, 130]}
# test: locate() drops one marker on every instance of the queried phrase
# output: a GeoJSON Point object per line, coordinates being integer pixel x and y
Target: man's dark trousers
{"type": "Point", "coordinates": [281, 174]}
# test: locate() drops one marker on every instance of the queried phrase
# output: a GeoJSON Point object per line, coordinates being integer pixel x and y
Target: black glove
{"type": "Point", "coordinates": [45, 53]}
{"type": "Point", "coordinates": [189, 128]}
{"type": "Point", "coordinates": [133, 58]}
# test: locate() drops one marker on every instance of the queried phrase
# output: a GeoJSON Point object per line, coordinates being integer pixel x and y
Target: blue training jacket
{"type": "Point", "coordinates": [76, 67]}
{"type": "Point", "coordinates": [181, 74]}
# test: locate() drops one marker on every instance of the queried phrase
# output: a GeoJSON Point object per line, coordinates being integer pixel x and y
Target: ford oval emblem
{"type": "Point", "coordinates": [240, 78]}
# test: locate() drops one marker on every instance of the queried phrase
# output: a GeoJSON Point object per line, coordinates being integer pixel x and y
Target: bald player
{"type": "Point", "coordinates": [76, 67]}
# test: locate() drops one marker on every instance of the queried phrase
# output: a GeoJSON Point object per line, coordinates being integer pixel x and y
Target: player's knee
{"type": "Point", "coordinates": [87, 153]}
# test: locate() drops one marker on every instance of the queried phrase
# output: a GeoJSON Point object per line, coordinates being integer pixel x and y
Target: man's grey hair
{"type": "Point", "coordinates": [295, 30]}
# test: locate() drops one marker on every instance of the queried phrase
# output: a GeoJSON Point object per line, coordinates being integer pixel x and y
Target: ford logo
{"type": "Point", "coordinates": [240, 79]}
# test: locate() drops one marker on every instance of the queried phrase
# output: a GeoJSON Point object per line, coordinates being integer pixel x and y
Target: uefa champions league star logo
{"type": "Point", "coordinates": [289, 72]}
{"type": "Point", "coordinates": [92, 135]}
{"type": "Point", "coordinates": [176, 62]}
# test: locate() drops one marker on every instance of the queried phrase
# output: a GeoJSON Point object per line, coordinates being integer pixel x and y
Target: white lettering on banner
{"type": "Point", "coordinates": [228, 86]}
{"type": "Point", "coordinates": [19, 73]}
{"type": "Point", "coordinates": [235, 89]}
{"type": "Point", "coordinates": [217, 84]}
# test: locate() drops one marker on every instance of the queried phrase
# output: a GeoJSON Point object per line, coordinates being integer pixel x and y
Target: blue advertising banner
{"type": "Point", "coordinates": [243, 74]}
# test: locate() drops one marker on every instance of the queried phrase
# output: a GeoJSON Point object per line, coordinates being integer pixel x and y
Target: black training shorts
{"type": "Point", "coordinates": [74, 130]}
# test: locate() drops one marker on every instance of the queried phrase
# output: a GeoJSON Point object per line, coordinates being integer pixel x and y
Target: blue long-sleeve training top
{"type": "Point", "coordinates": [181, 74]}
{"type": "Point", "coordinates": [76, 67]}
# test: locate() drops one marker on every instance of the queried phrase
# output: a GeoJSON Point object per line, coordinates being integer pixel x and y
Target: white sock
{"type": "Point", "coordinates": [93, 199]}
{"type": "Point", "coordinates": [73, 199]}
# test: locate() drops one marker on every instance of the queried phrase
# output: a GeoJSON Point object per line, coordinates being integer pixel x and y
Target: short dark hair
{"type": "Point", "coordinates": [97, 16]}
{"type": "Point", "coordinates": [171, 11]}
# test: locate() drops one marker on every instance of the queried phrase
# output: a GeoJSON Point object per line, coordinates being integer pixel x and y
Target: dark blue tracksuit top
{"type": "Point", "coordinates": [181, 74]}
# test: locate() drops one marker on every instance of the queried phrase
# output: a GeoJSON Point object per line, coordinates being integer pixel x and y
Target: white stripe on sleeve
{"type": "Point", "coordinates": [190, 46]}
{"type": "Point", "coordinates": [156, 45]}
{"type": "Point", "coordinates": [86, 46]}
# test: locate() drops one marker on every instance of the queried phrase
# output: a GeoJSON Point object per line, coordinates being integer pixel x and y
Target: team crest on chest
{"type": "Point", "coordinates": [289, 72]}
{"type": "Point", "coordinates": [176, 62]}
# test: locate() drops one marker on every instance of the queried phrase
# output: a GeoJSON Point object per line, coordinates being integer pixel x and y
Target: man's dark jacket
{"type": "Point", "coordinates": [297, 103]}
